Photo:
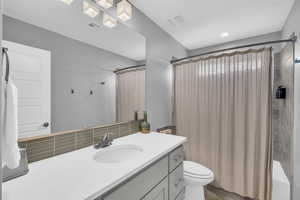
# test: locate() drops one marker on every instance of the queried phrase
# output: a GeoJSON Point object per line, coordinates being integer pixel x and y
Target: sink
{"type": "Point", "coordinates": [118, 153]}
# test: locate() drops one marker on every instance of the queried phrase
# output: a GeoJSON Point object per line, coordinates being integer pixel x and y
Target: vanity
{"type": "Point", "coordinates": [134, 167]}
{"type": "Point", "coordinates": [162, 180]}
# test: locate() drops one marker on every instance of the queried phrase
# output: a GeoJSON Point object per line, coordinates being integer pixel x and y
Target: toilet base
{"type": "Point", "coordinates": [194, 192]}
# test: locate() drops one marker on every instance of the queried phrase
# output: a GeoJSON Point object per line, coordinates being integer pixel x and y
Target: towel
{"type": "Point", "coordinates": [10, 150]}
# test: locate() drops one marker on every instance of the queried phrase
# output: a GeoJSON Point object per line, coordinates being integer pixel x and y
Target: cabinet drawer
{"type": "Point", "coordinates": [176, 182]}
{"type": "Point", "coordinates": [176, 158]}
{"type": "Point", "coordinates": [139, 185]}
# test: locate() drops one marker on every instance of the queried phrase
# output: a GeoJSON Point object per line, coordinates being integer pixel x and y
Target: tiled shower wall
{"type": "Point", "coordinates": [52, 145]}
{"type": "Point", "coordinates": [283, 109]}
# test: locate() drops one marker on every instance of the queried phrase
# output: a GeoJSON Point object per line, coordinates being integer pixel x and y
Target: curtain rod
{"type": "Point", "coordinates": [131, 67]}
{"type": "Point", "coordinates": [293, 39]}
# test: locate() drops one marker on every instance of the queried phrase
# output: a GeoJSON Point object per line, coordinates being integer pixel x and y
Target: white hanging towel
{"type": "Point", "coordinates": [10, 150]}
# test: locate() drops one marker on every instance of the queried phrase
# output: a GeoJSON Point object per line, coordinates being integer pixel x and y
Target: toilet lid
{"type": "Point", "coordinates": [196, 170]}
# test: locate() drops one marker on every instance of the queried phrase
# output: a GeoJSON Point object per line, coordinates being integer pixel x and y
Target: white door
{"type": "Point", "coordinates": [30, 71]}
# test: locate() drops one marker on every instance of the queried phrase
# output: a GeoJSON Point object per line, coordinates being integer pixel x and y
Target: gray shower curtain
{"type": "Point", "coordinates": [222, 104]}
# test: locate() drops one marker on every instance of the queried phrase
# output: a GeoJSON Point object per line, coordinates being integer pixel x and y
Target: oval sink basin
{"type": "Point", "coordinates": [118, 154]}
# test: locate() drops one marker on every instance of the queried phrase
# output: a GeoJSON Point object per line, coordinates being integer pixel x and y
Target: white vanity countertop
{"type": "Point", "coordinates": [77, 176]}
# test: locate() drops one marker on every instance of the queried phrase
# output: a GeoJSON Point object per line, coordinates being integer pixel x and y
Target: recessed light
{"type": "Point", "coordinates": [124, 10]}
{"type": "Point", "coordinates": [105, 3]}
{"type": "Point", "coordinates": [68, 2]}
{"type": "Point", "coordinates": [225, 34]}
{"type": "Point", "coordinates": [109, 21]}
{"type": "Point", "coordinates": [90, 9]}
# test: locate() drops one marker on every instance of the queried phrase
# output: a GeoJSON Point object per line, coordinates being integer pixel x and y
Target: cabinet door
{"type": "Point", "coordinates": [176, 182]}
{"type": "Point", "coordinates": [160, 192]}
{"type": "Point", "coordinates": [176, 158]}
{"type": "Point", "coordinates": [142, 183]}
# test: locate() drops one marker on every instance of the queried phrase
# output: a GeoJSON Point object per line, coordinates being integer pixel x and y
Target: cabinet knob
{"type": "Point", "coordinates": [179, 181]}
{"type": "Point", "coordinates": [178, 157]}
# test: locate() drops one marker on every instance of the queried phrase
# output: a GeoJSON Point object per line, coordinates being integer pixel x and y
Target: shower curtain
{"type": "Point", "coordinates": [222, 104]}
{"type": "Point", "coordinates": [130, 94]}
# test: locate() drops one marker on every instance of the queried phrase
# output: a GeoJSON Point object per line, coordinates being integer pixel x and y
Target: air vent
{"type": "Point", "coordinates": [171, 22]}
{"type": "Point", "coordinates": [175, 21]}
{"type": "Point", "coordinates": [179, 19]}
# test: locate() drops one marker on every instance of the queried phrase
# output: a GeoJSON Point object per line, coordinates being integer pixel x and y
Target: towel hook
{"type": "Point", "coordinates": [4, 53]}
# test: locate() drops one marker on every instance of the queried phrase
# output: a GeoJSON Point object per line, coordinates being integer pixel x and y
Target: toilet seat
{"type": "Point", "coordinates": [196, 177]}
{"type": "Point", "coordinates": [195, 170]}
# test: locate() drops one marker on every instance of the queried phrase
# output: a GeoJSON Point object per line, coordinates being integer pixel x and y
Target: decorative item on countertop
{"type": "Point", "coordinates": [21, 170]}
{"type": "Point", "coordinates": [145, 126]}
{"type": "Point", "coordinates": [167, 130]}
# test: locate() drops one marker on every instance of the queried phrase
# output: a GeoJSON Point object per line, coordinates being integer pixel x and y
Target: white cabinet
{"type": "Point", "coordinates": [139, 185]}
{"type": "Point", "coordinates": [176, 158]}
{"type": "Point", "coordinates": [176, 182]}
{"type": "Point", "coordinates": [162, 180]}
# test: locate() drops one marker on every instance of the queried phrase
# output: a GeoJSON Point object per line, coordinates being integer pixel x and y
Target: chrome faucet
{"type": "Point", "coordinates": [104, 142]}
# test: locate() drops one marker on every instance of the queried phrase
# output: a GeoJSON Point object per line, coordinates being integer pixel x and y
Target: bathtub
{"type": "Point", "coordinates": [281, 184]}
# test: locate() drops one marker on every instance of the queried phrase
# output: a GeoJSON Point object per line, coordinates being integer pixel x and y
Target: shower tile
{"type": "Point", "coordinates": [282, 110]}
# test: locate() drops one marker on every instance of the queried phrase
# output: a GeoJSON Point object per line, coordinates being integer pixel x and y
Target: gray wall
{"type": "Point", "coordinates": [73, 65]}
{"type": "Point", "coordinates": [257, 39]}
{"type": "Point", "coordinates": [160, 47]}
{"type": "Point", "coordinates": [292, 25]}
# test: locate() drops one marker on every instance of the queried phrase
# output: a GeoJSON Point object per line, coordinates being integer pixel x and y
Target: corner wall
{"type": "Point", "coordinates": [160, 48]}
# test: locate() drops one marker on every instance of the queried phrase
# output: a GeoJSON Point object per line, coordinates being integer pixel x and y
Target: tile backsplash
{"type": "Point", "coordinates": [39, 148]}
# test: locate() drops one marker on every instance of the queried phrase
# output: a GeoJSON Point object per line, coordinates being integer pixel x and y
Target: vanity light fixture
{"type": "Point", "coordinates": [109, 21]}
{"type": "Point", "coordinates": [105, 3]}
{"type": "Point", "coordinates": [124, 10]}
{"type": "Point", "coordinates": [68, 2]}
{"type": "Point", "coordinates": [90, 9]}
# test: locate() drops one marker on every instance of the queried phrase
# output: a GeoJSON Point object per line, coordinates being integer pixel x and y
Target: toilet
{"type": "Point", "coordinates": [196, 176]}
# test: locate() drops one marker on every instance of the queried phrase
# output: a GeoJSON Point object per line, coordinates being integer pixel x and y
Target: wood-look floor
{"type": "Point", "coordinates": [212, 193]}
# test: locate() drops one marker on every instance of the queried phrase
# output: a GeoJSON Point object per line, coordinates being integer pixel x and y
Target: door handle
{"type": "Point", "coordinates": [46, 124]}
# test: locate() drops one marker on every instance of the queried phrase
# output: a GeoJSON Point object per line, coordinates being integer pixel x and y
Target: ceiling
{"type": "Point", "coordinates": [69, 21]}
{"type": "Point", "coordinates": [196, 23]}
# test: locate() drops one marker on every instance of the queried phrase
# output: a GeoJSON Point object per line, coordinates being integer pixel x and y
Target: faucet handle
{"type": "Point", "coordinates": [107, 136]}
